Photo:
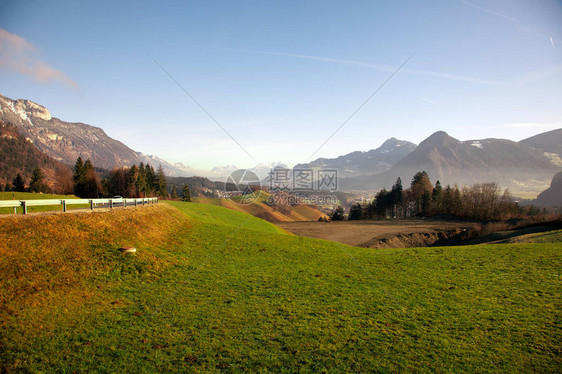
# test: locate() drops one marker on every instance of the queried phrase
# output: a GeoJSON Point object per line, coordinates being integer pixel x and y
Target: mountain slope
{"type": "Point", "coordinates": [18, 155]}
{"type": "Point", "coordinates": [467, 162]}
{"type": "Point", "coordinates": [65, 141]}
{"type": "Point", "coordinates": [553, 195]}
{"type": "Point", "coordinates": [548, 142]}
{"type": "Point", "coordinates": [364, 163]}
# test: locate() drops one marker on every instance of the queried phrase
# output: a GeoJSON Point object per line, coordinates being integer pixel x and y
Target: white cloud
{"type": "Point", "coordinates": [17, 54]}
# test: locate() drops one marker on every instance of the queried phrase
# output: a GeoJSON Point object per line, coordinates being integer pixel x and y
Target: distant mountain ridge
{"type": "Point", "coordinates": [65, 141]}
{"type": "Point", "coordinates": [364, 163]}
{"type": "Point", "coordinates": [528, 165]}
{"type": "Point", "coordinates": [452, 161]}
{"type": "Point", "coordinates": [549, 142]}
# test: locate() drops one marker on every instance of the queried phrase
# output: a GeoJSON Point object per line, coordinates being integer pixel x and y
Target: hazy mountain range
{"type": "Point", "coordinates": [364, 163]}
{"type": "Point", "coordinates": [528, 165]}
{"type": "Point", "coordinates": [516, 165]}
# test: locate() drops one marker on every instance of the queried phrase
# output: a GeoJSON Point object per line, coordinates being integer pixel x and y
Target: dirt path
{"type": "Point", "coordinates": [378, 234]}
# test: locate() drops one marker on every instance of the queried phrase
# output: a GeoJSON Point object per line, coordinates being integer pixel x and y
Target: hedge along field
{"type": "Point", "coordinates": [215, 290]}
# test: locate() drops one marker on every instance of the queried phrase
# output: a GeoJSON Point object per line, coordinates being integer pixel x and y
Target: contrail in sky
{"type": "Point", "coordinates": [427, 100]}
{"type": "Point", "coordinates": [488, 11]}
{"type": "Point", "coordinates": [539, 32]}
{"type": "Point", "coordinates": [379, 67]}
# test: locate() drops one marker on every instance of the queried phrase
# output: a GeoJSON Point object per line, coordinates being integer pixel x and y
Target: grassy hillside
{"type": "Point", "coordinates": [260, 209]}
{"type": "Point", "coordinates": [554, 236]}
{"type": "Point", "coordinates": [36, 196]}
{"type": "Point", "coordinates": [216, 290]}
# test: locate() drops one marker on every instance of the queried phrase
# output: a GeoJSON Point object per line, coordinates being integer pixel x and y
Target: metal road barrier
{"type": "Point", "coordinates": [94, 203]}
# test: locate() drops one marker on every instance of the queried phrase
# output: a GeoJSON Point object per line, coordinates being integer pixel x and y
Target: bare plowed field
{"type": "Point", "coordinates": [379, 234]}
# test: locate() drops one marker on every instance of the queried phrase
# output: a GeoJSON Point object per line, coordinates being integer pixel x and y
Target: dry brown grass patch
{"type": "Point", "coordinates": [49, 257]}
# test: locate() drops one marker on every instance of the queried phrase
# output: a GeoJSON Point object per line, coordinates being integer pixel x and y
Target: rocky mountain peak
{"type": "Point", "coordinates": [393, 143]}
{"type": "Point", "coordinates": [32, 109]}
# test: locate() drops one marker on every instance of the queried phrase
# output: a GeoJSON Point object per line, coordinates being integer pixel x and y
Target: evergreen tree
{"type": "Point", "coordinates": [437, 198]}
{"type": "Point", "coordinates": [141, 181]}
{"type": "Point", "coordinates": [396, 196]}
{"type": "Point", "coordinates": [79, 177]}
{"type": "Point", "coordinates": [86, 180]}
{"type": "Point", "coordinates": [37, 183]}
{"type": "Point", "coordinates": [18, 184]}
{"type": "Point", "coordinates": [161, 188]}
{"type": "Point", "coordinates": [186, 193]}
{"type": "Point", "coordinates": [150, 179]}
{"type": "Point", "coordinates": [382, 204]}
{"type": "Point", "coordinates": [338, 214]}
{"type": "Point", "coordinates": [93, 184]}
{"type": "Point", "coordinates": [174, 195]}
{"type": "Point", "coordinates": [117, 184]}
{"type": "Point", "coordinates": [355, 212]}
{"type": "Point", "coordinates": [131, 182]}
{"type": "Point", "coordinates": [79, 170]}
{"type": "Point", "coordinates": [425, 203]}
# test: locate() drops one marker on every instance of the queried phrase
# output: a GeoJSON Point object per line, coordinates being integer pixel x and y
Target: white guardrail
{"type": "Point", "coordinates": [93, 203]}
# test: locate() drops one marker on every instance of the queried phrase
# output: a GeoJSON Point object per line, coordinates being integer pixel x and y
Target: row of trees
{"type": "Point", "coordinates": [85, 182]}
{"type": "Point", "coordinates": [37, 183]}
{"type": "Point", "coordinates": [482, 201]}
{"type": "Point", "coordinates": [137, 181]}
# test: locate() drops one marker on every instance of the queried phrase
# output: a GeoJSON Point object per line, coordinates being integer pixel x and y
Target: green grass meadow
{"type": "Point", "coordinates": [215, 290]}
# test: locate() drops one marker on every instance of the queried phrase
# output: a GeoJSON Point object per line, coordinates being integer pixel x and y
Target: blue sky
{"type": "Point", "coordinates": [282, 76]}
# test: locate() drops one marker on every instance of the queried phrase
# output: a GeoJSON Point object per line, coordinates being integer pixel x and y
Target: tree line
{"type": "Point", "coordinates": [36, 184]}
{"type": "Point", "coordinates": [481, 201]}
{"type": "Point", "coordinates": [85, 182]}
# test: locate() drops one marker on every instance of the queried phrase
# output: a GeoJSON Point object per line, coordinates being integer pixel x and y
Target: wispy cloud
{"type": "Point", "coordinates": [537, 31]}
{"type": "Point", "coordinates": [427, 100]}
{"type": "Point", "coordinates": [538, 75]}
{"type": "Point", "coordinates": [17, 54]}
{"type": "Point", "coordinates": [553, 44]}
{"type": "Point", "coordinates": [379, 67]}
{"type": "Point", "coordinates": [486, 10]}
